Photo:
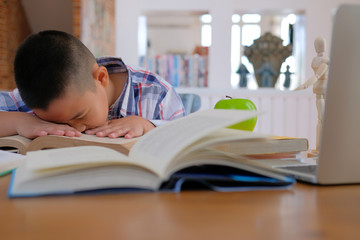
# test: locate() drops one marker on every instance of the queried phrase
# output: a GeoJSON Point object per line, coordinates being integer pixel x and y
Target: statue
{"type": "Point", "coordinates": [268, 48]}
{"type": "Point", "coordinates": [320, 66]}
{"type": "Point", "coordinates": [243, 72]}
{"type": "Point", "coordinates": [266, 73]}
{"type": "Point", "coordinates": [287, 74]}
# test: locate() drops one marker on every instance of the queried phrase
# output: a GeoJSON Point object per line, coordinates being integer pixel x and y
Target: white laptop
{"type": "Point", "coordinates": [339, 158]}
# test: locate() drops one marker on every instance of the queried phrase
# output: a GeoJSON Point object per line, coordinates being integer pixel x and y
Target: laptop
{"type": "Point", "coordinates": [339, 157]}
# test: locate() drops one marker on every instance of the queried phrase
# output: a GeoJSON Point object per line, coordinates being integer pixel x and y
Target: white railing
{"type": "Point", "coordinates": [284, 113]}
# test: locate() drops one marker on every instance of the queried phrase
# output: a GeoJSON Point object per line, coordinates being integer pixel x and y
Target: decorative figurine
{"type": "Point", "coordinates": [267, 75]}
{"type": "Point", "coordinates": [320, 65]}
{"type": "Point", "coordinates": [243, 72]}
{"type": "Point", "coordinates": [287, 74]}
{"type": "Point", "coordinates": [268, 48]}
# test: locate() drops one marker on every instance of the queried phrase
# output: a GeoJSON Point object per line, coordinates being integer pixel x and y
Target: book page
{"type": "Point", "coordinates": [16, 141]}
{"type": "Point", "coordinates": [65, 159]}
{"type": "Point", "coordinates": [159, 147]}
{"type": "Point", "coordinates": [94, 138]}
{"type": "Point", "coordinates": [9, 161]}
{"type": "Point", "coordinates": [224, 136]}
{"type": "Point", "coordinates": [121, 144]}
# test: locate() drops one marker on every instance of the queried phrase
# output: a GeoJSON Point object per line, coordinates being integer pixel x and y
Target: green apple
{"type": "Point", "coordinates": [239, 103]}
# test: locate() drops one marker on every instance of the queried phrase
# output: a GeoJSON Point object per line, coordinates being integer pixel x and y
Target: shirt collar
{"type": "Point", "coordinates": [117, 65]}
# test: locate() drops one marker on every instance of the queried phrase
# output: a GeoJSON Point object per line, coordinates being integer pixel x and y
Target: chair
{"type": "Point", "coordinates": [191, 101]}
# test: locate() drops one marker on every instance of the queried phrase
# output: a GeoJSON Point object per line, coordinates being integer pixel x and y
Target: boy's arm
{"type": "Point", "coordinates": [168, 108]}
{"type": "Point", "coordinates": [135, 126]}
{"type": "Point", "coordinates": [17, 118]}
{"type": "Point", "coordinates": [30, 126]}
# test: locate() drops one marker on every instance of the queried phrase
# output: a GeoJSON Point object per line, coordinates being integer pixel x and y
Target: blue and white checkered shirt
{"type": "Point", "coordinates": [145, 94]}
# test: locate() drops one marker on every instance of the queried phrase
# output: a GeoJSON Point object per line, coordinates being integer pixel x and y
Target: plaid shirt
{"type": "Point", "coordinates": [145, 94]}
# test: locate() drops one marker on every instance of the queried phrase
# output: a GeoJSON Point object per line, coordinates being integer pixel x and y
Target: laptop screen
{"type": "Point", "coordinates": [339, 159]}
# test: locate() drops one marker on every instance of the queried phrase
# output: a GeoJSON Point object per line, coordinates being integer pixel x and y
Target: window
{"type": "Point", "coordinates": [287, 24]}
{"type": "Point", "coordinates": [245, 29]}
{"type": "Point", "coordinates": [206, 30]}
{"type": "Point", "coordinates": [248, 27]}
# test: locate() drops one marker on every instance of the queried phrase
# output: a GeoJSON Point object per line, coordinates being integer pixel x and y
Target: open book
{"type": "Point", "coordinates": [163, 159]}
{"type": "Point", "coordinates": [278, 146]}
{"type": "Point", "coordinates": [22, 144]}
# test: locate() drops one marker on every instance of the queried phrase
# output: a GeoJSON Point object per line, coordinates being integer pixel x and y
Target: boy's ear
{"type": "Point", "coordinates": [101, 74]}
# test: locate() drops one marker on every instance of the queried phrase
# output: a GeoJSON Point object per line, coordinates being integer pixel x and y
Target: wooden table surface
{"type": "Point", "coordinates": [302, 212]}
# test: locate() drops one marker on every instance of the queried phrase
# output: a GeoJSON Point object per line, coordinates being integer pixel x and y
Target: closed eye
{"type": "Point", "coordinates": [79, 115]}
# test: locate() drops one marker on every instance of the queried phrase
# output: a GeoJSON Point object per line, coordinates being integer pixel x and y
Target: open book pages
{"type": "Point", "coordinates": [272, 147]}
{"type": "Point", "coordinates": [87, 168]}
{"type": "Point", "coordinates": [23, 145]}
{"type": "Point", "coordinates": [154, 159]}
{"type": "Point", "coordinates": [15, 143]}
{"type": "Point", "coordinates": [167, 141]}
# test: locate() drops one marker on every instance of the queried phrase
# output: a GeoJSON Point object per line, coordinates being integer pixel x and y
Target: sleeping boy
{"type": "Point", "coordinates": [62, 89]}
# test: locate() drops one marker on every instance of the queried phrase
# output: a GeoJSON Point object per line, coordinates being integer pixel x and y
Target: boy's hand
{"type": "Point", "coordinates": [128, 127]}
{"type": "Point", "coordinates": [31, 126]}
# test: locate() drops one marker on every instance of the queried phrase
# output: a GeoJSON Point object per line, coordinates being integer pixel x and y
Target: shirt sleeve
{"type": "Point", "coordinates": [147, 95]}
{"type": "Point", "coordinates": [170, 108]}
{"type": "Point", "coordinates": [11, 101]}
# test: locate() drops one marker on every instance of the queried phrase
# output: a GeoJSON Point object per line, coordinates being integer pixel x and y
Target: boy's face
{"type": "Point", "coordinates": [81, 111]}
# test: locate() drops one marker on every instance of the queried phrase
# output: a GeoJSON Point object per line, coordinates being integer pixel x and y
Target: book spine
{"type": "Point", "coordinates": [179, 70]}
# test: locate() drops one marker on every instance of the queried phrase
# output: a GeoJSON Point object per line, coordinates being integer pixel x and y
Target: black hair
{"type": "Point", "coordinates": [48, 62]}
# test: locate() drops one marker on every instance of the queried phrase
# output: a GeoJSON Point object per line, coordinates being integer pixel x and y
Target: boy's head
{"type": "Point", "coordinates": [58, 77]}
{"type": "Point", "coordinates": [48, 62]}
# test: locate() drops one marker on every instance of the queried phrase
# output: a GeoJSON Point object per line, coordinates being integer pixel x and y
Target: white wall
{"type": "Point", "coordinates": [162, 39]}
{"type": "Point", "coordinates": [127, 15]}
{"type": "Point", "coordinates": [318, 13]}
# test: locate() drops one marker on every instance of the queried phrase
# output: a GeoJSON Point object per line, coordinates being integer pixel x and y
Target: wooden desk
{"type": "Point", "coordinates": [303, 212]}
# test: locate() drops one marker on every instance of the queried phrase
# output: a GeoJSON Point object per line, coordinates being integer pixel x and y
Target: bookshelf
{"type": "Point", "coordinates": [187, 71]}
{"type": "Point", "coordinates": [318, 22]}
